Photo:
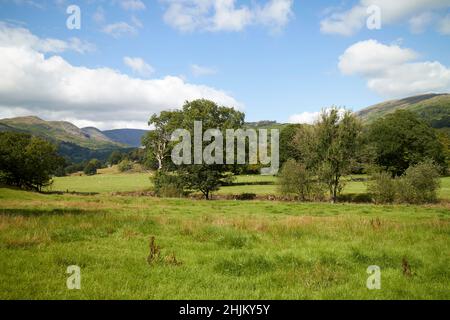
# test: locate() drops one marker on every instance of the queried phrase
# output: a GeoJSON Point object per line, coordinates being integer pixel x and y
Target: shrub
{"type": "Point", "coordinates": [382, 187]}
{"type": "Point", "coordinates": [90, 169]}
{"type": "Point", "coordinates": [168, 185]}
{"type": "Point", "coordinates": [246, 196]}
{"type": "Point", "coordinates": [296, 179]}
{"type": "Point", "coordinates": [125, 165]}
{"type": "Point", "coordinates": [420, 183]}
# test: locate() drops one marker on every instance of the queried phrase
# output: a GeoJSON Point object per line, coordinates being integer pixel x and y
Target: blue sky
{"type": "Point", "coordinates": [281, 60]}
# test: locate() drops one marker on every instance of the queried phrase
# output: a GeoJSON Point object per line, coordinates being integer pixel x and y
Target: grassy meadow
{"type": "Point", "coordinates": [217, 249]}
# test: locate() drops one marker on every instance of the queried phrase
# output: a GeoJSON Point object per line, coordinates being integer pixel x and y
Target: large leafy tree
{"type": "Point", "coordinates": [207, 178]}
{"type": "Point", "coordinates": [401, 139]}
{"type": "Point", "coordinates": [330, 147]}
{"type": "Point", "coordinates": [26, 161]}
{"type": "Point", "coordinates": [157, 141]}
{"type": "Point", "coordinates": [288, 149]}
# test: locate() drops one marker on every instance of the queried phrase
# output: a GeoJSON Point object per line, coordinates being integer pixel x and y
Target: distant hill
{"type": "Point", "coordinates": [265, 124]}
{"type": "Point", "coordinates": [131, 137]}
{"type": "Point", "coordinates": [75, 143]}
{"type": "Point", "coordinates": [433, 108]}
{"type": "Point", "coordinates": [60, 131]}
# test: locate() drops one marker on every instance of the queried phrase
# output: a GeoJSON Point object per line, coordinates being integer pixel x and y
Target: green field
{"type": "Point", "coordinates": [216, 249]}
{"type": "Point", "coordinates": [110, 181]}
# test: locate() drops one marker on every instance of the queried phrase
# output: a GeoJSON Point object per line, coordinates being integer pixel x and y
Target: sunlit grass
{"type": "Point", "coordinates": [227, 249]}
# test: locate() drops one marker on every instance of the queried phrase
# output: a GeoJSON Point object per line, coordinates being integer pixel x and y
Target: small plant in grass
{"type": "Point", "coordinates": [155, 252]}
{"type": "Point", "coordinates": [155, 256]}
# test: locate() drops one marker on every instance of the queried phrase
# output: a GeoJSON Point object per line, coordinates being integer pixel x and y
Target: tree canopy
{"type": "Point", "coordinates": [27, 162]}
{"type": "Point", "coordinates": [402, 139]}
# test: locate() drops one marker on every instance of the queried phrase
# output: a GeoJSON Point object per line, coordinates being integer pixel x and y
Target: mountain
{"type": "Point", "coordinates": [433, 108]}
{"type": "Point", "coordinates": [131, 137]}
{"type": "Point", "coordinates": [74, 143]}
{"type": "Point", "coordinates": [60, 131]}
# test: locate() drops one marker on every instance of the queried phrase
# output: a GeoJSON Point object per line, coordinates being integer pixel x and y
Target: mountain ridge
{"type": "Point", "coordinates": [433, 108]}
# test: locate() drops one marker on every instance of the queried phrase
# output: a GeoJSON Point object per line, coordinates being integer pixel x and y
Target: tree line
{"type": "Point", "coordinates": [316, 158]}
{"type": "Point", "coordinates": [402, 154]}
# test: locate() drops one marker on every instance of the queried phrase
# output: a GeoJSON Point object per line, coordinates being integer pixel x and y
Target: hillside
{"type": "Point", "coordinates": [74, 143]}
{"type": "Point", "coordinates": [433, 108]}
{"type": "Point", "coordinates": [131, 137]}
{"type": "Point", "coordinates": [59, 131]}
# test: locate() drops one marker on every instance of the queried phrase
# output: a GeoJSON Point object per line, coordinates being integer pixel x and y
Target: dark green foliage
{"type": "Point", "coordinates": [288, 149]}
{"type": "Point", "coordinates": [115, 158]}
{"type": "Point", "coordinates": [169, 185]}
{"type": "Point", "coordinates": [204, 178]}
{"type": "Point", "coordinates": [401, 139]}
{"type": "Point", "coordinates": [419, 184]}
{"type": "Point", "coordinates": [125, 165]}
{"type": "Point", "coordinates": [382, 187]}
{"type": "Point", "coordinates": [91, 167]}
{"type": "Point", "coordinates": [297, 180]}
{"type": "Point", "coordinates": [27, 162]}
{"type": "Point", "coordinates": [330, 148]}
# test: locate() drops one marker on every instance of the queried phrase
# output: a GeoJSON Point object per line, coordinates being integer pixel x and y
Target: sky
{"type": "Point", "coordinates": [120, 61]}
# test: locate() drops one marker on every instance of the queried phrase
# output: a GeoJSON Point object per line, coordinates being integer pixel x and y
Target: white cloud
{"type": "Point", "coordinates": [393, 71]}
{"type": "Point", "coordinates": [312, 117]}
{"type": "Point", "coordinates": [21, 37]}
{"type": "Point", "coordinates": [199, 71]}
{"type": "Point", "coordinates": [420, 22]}
{"type": "Point", "coordinates": [350, 21]}
{"type": "Point", "coordinates": [444, 25]}
{"type": "Point", "coordinates": [304, 118]}
{"type": "Point", "coordinates": [132, 5]}
{"type": "Point", "coordinates": [226, 15]}
{"type": "Point", "coordinates": [139, 66]}
{"type": "Point", "coordinates": [119, 29]}
{"type": "Point", "coordinates": [50, 87]}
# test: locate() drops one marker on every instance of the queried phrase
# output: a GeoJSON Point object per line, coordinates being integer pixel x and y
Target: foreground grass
{"type": "Point", "coordinates": [227, 249]}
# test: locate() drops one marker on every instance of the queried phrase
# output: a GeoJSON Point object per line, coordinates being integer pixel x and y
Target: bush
{"type": "Point", "coordinates": [125, 165]}
{"type": "Point", "coordinates": [168, 185]}
{"type": "Point", "coordinates": [90, 169]}
{"type": "Point", "coordinates": [382, 187]}
{"type": "Point", "coordinates": [246, 196]}
{"type": "Point", "coordinates": [296, 180]}
{"type": "Point", "coordinates": [419, 184]}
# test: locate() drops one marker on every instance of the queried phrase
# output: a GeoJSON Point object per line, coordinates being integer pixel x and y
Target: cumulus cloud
{"type": "Point", "coordinates": [226, 15]}
{"type": "Point", "coordinates": [348, 22]}
{"type": "Point", "coordinates": [34, 83]}
{"type": "Point", "coordinates": [311, 117]}
{"type": "Point", "coordinates": [23, 38]}
{"type": "Point", "coordinates": [119, 29]}
{"type": "Point", "coordinates": [393, 71]}
{"type": "Point", "coordinates": [199, 71]}
{"type": "Point", "coordinates": [139, 66]}
{"type": "Point", "coordinates": [304, 117]}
